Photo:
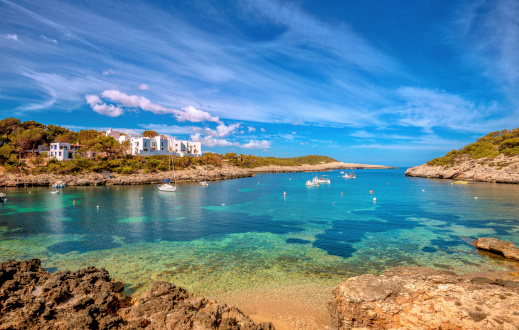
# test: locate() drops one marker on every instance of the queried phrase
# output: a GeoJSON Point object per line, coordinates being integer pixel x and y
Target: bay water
{"type": "Point", "coordinates": [246, 234]}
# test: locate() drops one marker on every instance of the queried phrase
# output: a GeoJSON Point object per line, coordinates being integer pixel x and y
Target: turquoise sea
{"type": "Point", "coordinates": [245, 234]}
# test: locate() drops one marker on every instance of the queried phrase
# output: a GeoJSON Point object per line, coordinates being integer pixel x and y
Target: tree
{"type": "Point", "coordinates": [149, 133]}
{"type": "Point", "coordinates": [60, 134]}
{"type": "Point", "coordinates": [28, 139]}
{"type": "Point", "coordinates": [87, 137]}
{"type": "Point", "coordinates": [28, 124]}
{"type": "Point", "coordinates": [7, 127]}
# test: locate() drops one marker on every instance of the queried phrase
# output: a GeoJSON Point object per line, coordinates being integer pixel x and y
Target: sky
{"type": "Point", "coordinates": [379, 82]}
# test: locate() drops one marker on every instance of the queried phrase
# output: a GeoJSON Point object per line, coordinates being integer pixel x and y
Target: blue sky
{"type": "Point", "coordinates": [385, 82]}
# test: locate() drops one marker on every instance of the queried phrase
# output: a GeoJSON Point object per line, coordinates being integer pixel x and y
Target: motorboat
{"type": "Point", "coordinates": [312, 183]}
{"type": "Point", "coordinates": [461, 182]}
{"type": "Point", "coordinates": [54, 192]}
{"type": "Point", "coordinates": [349, 175]}
{"type": "Point", "coordinates": [167, 186]}
{"type": "Point", "coordinates": [204, 183]}
{"type": "Point", "coordinates": [323, 180]}
{"type": "Point", "coordinates": [3, 197]}
{"type": "Point", "coordinates": [59, 184]}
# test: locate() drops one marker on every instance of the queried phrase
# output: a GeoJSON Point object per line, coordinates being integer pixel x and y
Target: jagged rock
{"type": "Point", "coordinates": [502, 169]}
{"type": "Point", "coordinates": [423, 298]}
{"type": "Point", "coordinates": [32, 298]}
{"type": "Point", "coordinates": [494, 245]}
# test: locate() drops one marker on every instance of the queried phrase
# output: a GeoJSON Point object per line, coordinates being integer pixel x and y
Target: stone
{"type": "Point", "coordinates": [423, 298]}
{"type": "Point", "coordinates": [497, 246]}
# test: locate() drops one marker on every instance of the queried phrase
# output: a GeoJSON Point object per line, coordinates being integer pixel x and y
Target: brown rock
{"type": "Point", "coordinates": [31, 298]}
{"type": "Point", "coordinates": [497, 246]}
{"type": "Point", "coordinates": [422, 298]}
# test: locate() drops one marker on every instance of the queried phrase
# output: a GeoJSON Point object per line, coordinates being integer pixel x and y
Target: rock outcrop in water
{"type": "Point", "coordinates": [497, 246]}
{"type": "Point", "coordinates": [422, 298]}
{"type": "Point", "coordinates": [32, 298]}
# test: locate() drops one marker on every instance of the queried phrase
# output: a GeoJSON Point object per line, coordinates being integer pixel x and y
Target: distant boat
{"type": "Point", "coordinates": [460, 182]}
{"type": "Point", "coordinates": [59, 184]}
{"type": "Point", "coordinates": [349, 175]}
{"type": "Point", "coordinates": [203, 183]}
{"type": "Point", "coordinates": [167, 186]}
{"type": "Point", "coordinates": [3, 197]}
{"type": "Point", "coordinates": [312, 183]}
{"type": "Point", "coordinates": [54, 192]}
{"type": "Point", "coordinates": [323, 180]}
{"type": "Point", "coordinates": [342, 172]}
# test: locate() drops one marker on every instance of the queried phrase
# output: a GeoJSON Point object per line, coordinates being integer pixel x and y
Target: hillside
{"type": "Point", "coordinates": [492, 158]}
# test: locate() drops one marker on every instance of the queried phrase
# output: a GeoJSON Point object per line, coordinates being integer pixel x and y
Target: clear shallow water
{"type": "Point", "coordinates": [259, 238]}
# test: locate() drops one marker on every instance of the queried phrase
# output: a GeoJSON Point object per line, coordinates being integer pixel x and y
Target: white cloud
{"type": "Point", "coordinates": [192, 114]}
{"type": "Point", "coordinates": [169, 129]}
{"type": "Point", "coordinates": [11, 37]}
{"type": "Point", "coordinates": [53, 41]}
{"type": "Point", "coordinates": [256, 144]}
{"type": "Point", "coordinates": [108, 72]}
{"type": "Point", "coordinates": [103, 108]}
{"type": "Point", "coordinates": [211, 141]}
{"type": "Point", "coordinates": [135, 101]}
{"type": "Point", "coordinates": [144, 87]}
{"type": "Point", "coordinates": [251, 129]}
{"type": "Point", "coordinates": [222, 130]}
{"type": "Point", "coordinates": [262, 130]}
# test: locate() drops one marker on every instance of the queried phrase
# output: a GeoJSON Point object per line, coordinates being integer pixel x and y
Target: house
{"type": "Point", "coordinates": [181, 148]}
{"type": "Point", "coordinates": [146, 146]}
{"type": "Point", "coordinates": [116, 135]}
{"type": "Point", "coordinates": [62, 151]}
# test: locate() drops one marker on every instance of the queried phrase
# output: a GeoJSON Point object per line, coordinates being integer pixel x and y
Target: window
{"type": "Point", "coordinates": [60, 153]}
{"type": "Point", "coordinates": [144, 144]}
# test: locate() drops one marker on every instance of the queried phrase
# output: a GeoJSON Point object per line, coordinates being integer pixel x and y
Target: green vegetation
{"type": "Point", "coordinates": [19, 140]}
{"type": "Point", "coordinates": [504, 142]}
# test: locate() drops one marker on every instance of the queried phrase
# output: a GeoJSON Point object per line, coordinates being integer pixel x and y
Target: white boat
{"type": "Point", "coordinates": [349, 175]}
{"type": "Point", "coordinates": [59, 184]}
{"type": "Point", "coordinates": [55, 192]}
{"type": "Point", "coordinates": [167, 186]}
{"type": "Point", "coordinates": [3, 197]}
{"type": "Point", "coordinates": [204, 183]}
{"type": "Point", "coordinates": [323, 180]}
{"type": "Point", "coordinates": [312, 183]}
{"type": "Point", "coordinates": [342, 172]}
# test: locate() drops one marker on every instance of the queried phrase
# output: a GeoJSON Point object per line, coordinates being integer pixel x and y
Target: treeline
{"type": "Point", "coordinates": [505, 142]}
{"type": "Point", "coordinates": [19, 139]}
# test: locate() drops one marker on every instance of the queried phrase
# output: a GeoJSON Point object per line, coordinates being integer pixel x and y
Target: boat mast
{"type": "Point", "coordinates": [174, 172]}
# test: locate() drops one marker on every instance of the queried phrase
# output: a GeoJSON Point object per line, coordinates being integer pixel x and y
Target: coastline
{"type": "Point", "coordinates": [498, 170]}
{"type": "Point", "coordinates": [198, 173]}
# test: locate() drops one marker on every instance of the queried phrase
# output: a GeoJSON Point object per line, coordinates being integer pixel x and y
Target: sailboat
{"type": "Point", "coordinates": [167, 186]}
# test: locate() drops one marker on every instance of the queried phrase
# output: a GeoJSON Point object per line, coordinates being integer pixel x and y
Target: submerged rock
{"type": "Point", "coordinates": [423, 298]}
{"type": "Point", "coordinates": [497, 246]}
{"type": "Point", "coordinates": [32, 298]}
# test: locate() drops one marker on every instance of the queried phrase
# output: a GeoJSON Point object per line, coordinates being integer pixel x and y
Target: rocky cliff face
{"type": "Point", "coordinates": [422, 298]}
{"type": "Point", "coordinates": [31, 298]}
{"type": "Point", "coordinates": [501, 169]}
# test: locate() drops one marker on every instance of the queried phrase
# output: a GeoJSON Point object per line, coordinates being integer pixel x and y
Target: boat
{"type": "Point", "coordinates": [3, 197]}
{"type": "Point", "coordinates": [342, 172]}
{"type": "Point", "coordinates": [204, 183]}
{"type": "Point", "coordinates": [55, 192]}
{"type": "Point", "coordinates": [312, 183]}
{"type": "Point", "coordinates": [349, 175]}
{"type": "Point", "coordinates": [460, 182]}
{"type": "Point", "coordinates": [167, 186]}
{"type": "Point", "coordinates": [323, 180]}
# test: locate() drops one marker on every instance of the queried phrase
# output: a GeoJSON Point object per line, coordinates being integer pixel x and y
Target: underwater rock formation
{"type": "Point", "coordinates": [32, 298]}
{"type": "Point", "coordinates": [423, 298]}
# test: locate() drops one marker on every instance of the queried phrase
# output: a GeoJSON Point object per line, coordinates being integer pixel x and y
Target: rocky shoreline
{"type": "Point", "coordinates": [32, 298]}
{"type": "Point", "coordinates": [501, 169]}
{"type": "Point", "coordinates": [199, 173]}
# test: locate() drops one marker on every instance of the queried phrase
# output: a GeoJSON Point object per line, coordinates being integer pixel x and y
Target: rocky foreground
{"type": "Point", "coordinates": [501, 169]}
{"type": "Point", "coordinates": [32, 298]}
{"type": "Point", "coordinates": [422, 298]}
{"type": "Point", "coordinates": [199, 173]}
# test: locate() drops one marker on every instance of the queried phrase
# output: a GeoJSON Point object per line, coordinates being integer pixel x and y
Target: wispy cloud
{"type": "Point", "coordinates": [143, 87]}
{"type": "Point", "coordinates": [52, 41]}
{"type": "Point", "coordinates": [256, 144]}
{"type": "Point", "coordinates": [11, 36]}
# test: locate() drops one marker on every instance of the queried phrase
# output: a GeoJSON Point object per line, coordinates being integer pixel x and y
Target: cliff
{"type": "Point", "coordinates": [501, 169]}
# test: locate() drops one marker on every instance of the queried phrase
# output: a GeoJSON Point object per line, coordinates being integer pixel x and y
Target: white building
{"type": "Point", "coordinates": [146, 146]}
{"type": "Point", "coordinates": [116, 135]}
{"type": "Point", "coordinates": [160, 145]}
{"type": "Point", "coordinates": [62, 151]}
{"type": "Point", "coordinates": [181, 148]}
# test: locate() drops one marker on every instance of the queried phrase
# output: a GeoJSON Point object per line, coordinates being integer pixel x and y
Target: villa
{"type": "Point", "coordinates": [62, 151]}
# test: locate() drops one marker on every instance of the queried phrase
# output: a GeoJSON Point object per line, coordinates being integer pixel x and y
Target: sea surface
{"type": "Point", "coordinates": [244, 234]}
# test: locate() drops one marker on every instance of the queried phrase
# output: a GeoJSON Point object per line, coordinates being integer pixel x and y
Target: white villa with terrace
{"type": "Point", "coordinates": [62, 151]}
{"type": "Point", "coordinates": [158, 145]}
